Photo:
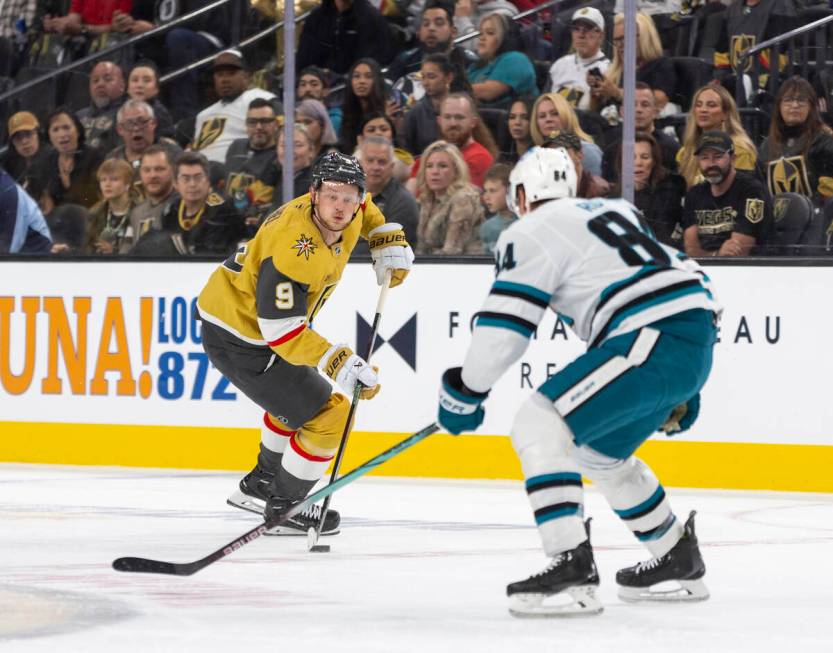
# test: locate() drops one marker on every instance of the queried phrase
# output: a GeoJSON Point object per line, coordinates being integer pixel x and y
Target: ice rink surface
{"type": "Point", "coordinates": [419, 566]}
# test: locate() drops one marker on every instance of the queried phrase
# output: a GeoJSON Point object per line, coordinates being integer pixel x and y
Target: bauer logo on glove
{"type": "Point", "coordinates": [460, 407]}
{"type": "Point", "coordinates": [390, 251]}
{"type": "Point", "coordinates": [347, 369]}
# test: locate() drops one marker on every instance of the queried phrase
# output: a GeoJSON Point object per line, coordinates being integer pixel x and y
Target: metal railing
{"type": "Point", "coordinates": [799, 45]}
{"type": "Point", "coordinates": [155, 31]}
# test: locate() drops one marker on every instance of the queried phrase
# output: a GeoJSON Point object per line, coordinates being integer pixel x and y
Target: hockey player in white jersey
{"type": "Point", "coordinates": [648, 316]}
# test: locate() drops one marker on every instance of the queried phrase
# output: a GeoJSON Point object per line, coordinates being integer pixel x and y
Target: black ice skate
{"type": "Point", "coordinates": [303, 521]}
{"type": "Point", "coordinates": [252, 492]}
{"type": "Point", "coordinates": [571, 578]}
{"type": "Point", "coordinates": [676, 576]}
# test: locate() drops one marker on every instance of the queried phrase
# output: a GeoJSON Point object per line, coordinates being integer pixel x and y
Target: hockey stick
{"type": "Point", "coordinates": [149, 566]}
{"type": "Point", "coordinates": [314, 533]}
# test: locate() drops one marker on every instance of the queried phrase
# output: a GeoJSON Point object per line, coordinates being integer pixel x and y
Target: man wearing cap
{"type": "Point", "coordinates": [730, 212]}
{"type": "Point", "coordinates": [225, 120]}
{"type": "Point", "coordinates": [589, 185]}
{"type": "Point", "coordinates": [26, 145]}
{"type": "Point", "coordinates": [569, 74]}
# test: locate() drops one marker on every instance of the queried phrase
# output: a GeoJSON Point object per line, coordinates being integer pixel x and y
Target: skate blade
{"type": "Point", "coordinates": [677, 591]}
{"type": "Point", "coordinates": [245, 502]}
{"type": "Point", "coordinates": [579, 601]}
{"type": "Point", "coordinates": [291, 531]}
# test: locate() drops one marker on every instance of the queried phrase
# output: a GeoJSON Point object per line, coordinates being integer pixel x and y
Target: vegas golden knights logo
{"type": "Point", "coordinates": [754, 210]}
{"type": "Point", "coordinates": [210, 131]}
{"type": "Point", "coordinates": [572, 95]}
{"type": "Point", "coordinates": [238, 182]}
{"type": "Point", "coordinates": [788, 175]}
{"type": "Point", "coordinates": [740, 43]}
{"type": "Point", "coordinates": [779, 210]}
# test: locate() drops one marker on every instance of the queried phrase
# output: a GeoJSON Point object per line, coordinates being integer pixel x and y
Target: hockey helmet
{"type": "Point", "coordinates": [335, 166]}
{"type": "Point", "coordinates": [545, 174]}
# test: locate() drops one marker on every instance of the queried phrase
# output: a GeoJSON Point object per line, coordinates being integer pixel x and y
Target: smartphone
{"type": "Point", "coordinates": [595, 72]}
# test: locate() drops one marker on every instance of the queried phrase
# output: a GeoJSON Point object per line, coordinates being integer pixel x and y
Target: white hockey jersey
{"type": "Point", "coordinates": [223, 122]}
{"type": "Point", "coordinates": [591, 261]}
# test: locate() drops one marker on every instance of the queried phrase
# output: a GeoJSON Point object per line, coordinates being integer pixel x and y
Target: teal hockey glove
{"type": "Point", "coordinates": [460, 407]}
{"type": "Point", "coordinates": [682, 417]}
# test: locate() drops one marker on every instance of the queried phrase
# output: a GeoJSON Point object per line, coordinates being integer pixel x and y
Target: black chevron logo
{"type": "Point", "coordinates": [403, 341]}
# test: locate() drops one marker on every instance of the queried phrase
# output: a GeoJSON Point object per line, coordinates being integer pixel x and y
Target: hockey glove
{"type": "Point", "coordinates": [682, 417]}
{"type": "Point", "coordinates": [460, 407]}
{"type": "Point", "coordinates": [347, 369]}
{"type": "Point", "coordinates": [390, 251]}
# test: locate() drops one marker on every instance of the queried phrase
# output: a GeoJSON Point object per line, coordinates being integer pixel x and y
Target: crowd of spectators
{"type": "Point", "coordinates": [137, 168]}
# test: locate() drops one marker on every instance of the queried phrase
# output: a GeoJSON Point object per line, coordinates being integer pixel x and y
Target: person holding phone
{"type": "Point", "coordinates": [575, 74]}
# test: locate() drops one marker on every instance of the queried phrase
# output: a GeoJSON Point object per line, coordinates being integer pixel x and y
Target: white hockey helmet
{"type": "Point", "coordinates": [545, 174]}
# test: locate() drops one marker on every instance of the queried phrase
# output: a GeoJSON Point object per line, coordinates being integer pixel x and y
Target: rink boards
{"type": "Point", "coordinates": [101, 364]}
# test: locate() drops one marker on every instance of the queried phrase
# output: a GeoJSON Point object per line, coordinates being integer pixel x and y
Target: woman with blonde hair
{"type": "Point", "coordinates": [450, 210]}
{"type": "Point", "coordinates": [551, 114]}
{"type": "Point", "coordinates": [651, 67]}
{"type": "Point", "coordinates": [713, 108]}
{"type": "Point", "coordinates": [108, 230]}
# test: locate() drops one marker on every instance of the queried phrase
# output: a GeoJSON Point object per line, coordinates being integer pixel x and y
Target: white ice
{"type": "Point", "coordinates": [419, 566]}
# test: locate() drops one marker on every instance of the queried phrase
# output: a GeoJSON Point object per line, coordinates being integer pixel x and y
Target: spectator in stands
{"type": "Point", "coordinates": [302, 161]}
{"type": "Point", "coordinates": [797, 155]}
{"type": "Point", "coordinates": [17, 17]}
{"type": "Point", "coordinates": [201, 220]}
{"type": "Point", "coordinates": [469, 13]}
{"type": "Point", "coordinates": [503, 72]}
{"type": "Point", "coordinates": [313, 115]}
{"type": "Point", "coordinates": [553, 113]}
{"type": "Point", "coordinates": [518, 124]}
{"type": "Point", "coordinates": [421, 129]}
{"type": "Point", "coordinates": [108, 230]}
{"type": "Point", "coordinates": [450, 209]}
{"type": "Point", "coordinates": [569, 75]}
{"type": "Point", "coordinates": [713, 109]}
{"type": "Point", "coordinates": [23, 229]}
{"type": "Point", "coordinates": [106, 96]}
{"type": "Point", "coordinates": [380, 124]}
{"type": "Point", "coordinates": [499, 217]}
{"type": "Point", "coordinates": [589, 185]}
{"type": "Point", "coordinates": [89, 17]}
{"type": "Point", "coordinates": [157, 174]}
{"type": "Point", "coordinates": [658, 193]}
{"type": "Point", "coordinates": [143, 84]}
{"type": "Point", "coordinates": [313, 84]}
{"type": "Point", "coordinates": [26, 149]}
{"type": "Point", "coordinates": [651, 67]}
{"type": "Point", "coordinates": [339, 32]}
{"type": "Point", "coordinates": [365, 94]}
{"type": "Point", "coordinates": [644, 115]}
{"type": "Point", "coordinates": [253, 157]}
{"type": "Point", "coordinates": [189, 42]}
{"type": "Point", "coordinates": [136, 126]}
{"type": "Point", "coordinates": [749, 22]}
{"type": "Point", "coordinates": [71, 166]}
{"type": "Point", "coordinates": [376, 155]}
{"type": "Point", "coordinates": [666, 15]}
{"type": "Point", "coordinates": [729, 213]}
{"type": "Point", "coordinates": [435, 36]}
{"type": "Point", "coordinates": [225, 121]}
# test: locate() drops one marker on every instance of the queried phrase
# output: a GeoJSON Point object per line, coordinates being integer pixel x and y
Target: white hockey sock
{"type": "Point", "coordinates": [272, 436]}
{"type": "Point", "coordinates": [542, 441]}
{"type": "Point", "coordinates": [636, 496]}
{"type": "Point", "coordinates": [300, 470]}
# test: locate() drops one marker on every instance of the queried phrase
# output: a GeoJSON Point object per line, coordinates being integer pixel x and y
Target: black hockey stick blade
{"type": "Point", "coordinates": [147, 565]}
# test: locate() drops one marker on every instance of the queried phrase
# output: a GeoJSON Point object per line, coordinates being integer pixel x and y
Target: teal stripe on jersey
{"type": "Point", "coordinates": [504, 324]}
{"type": "Point", "coordinates": [652, 502]}
{"type": "Point", "coordinates": [658, 532]}
{"type": "Point", "coordinates": [612, 287]}
{"type": "Point", "coordinates": [566, 319]}
{"type": "Point", "coordinates": [523, 289]}
{"type": "Point", "coordinates": [610, 326]}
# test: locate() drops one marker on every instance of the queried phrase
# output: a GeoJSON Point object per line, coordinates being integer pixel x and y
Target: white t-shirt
{"type": "Point", "coordinates": [221, 123]}
{"type": "Point", "coordinates": [569, 77]}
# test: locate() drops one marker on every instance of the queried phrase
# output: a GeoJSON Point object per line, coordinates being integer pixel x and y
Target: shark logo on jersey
{"type": "Point", "coordinates": [305, 246]}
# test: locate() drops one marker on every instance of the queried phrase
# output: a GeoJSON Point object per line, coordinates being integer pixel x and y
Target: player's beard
{"type": "Point", "coordinates": [715, 175]}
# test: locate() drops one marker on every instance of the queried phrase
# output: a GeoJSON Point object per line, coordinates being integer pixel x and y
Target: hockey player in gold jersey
{"type": "Point", "coordinates": [256, 310]}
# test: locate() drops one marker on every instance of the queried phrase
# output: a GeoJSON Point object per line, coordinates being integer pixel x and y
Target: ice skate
{"type": "Point", "coordinates": [566, 588]}
{"type": "Point", "coordinates": [303, 521]}
{"type": "Point", "coordinates": [252, 492]}
{"type": "Point", "coordinates": [676, 576]}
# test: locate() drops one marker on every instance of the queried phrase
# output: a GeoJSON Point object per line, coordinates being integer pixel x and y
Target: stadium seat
{"type": "Point", "coordinates": [793, 213]}
{"type": "Point", "coordinates": [692, 73]}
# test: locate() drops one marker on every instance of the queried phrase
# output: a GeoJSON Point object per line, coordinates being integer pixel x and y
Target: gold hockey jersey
{"type": "Point", "coordinates": [269, 291]}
